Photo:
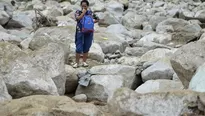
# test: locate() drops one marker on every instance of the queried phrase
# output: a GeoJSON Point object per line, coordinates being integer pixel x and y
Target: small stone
{"type": "Point", "coordinates": [80, 98]}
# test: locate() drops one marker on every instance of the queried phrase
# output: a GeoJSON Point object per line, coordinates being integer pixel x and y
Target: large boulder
{"type": "Point", "coordinates": [115, 8]}
{"type": "Point", "coordinates": [61, 35]}
{"type": "Point", "coordinates": [26, 79]}
{"type": "Point", "coordinates": [129, 60]}
{"type": "Point", "coordinates": [187, 59]}
{"type": "Point", "coordinates": [4, 17]}
{"type": "Point", "coordinates": [108, 19]}
{"type": "Point", "coordinates": [101, 87]}
{"type": "Point", "coordinates": [8, 53]}
{"type": "Point", "coordinates": [126, 102]}
{"type": "Point", "coordinates": [48, 106]}
{"type": "Point", "coordinates": [4, 92]}
{"type": "Point", "coordinates": [155, 20]}
{"type": "Point", "coordinates": [53, 12]}
{"type": "Point", "coordinates": [110, 43]}
{"type": "Point", "coordinates": [51, 58]}
{"type": "Point", "coordinates": [117, 28]}
{"type": "Point", "coordinates": [156, 54]}
{"type": "Point", "coordinates": [159, 70]}
{"type": "Point", "coordinates": [128, 72]}
{"type": "Point", "coordinates": [197, 81]}
{"type": "Point", "coordinates": [71, 79]}
{"type": "Point", "coordinates": [131, 20]}
{"type": "Point", "coordinates": [183, 30]}
{"type": "Point", "coordinates": [160, 85]}
{"type": "Point", "coordinates": [21, 19]}
{"type": "Point", "coordinates": [157, 38]}
{"type": "Point", "coordinates": [135, 51]}
{"type": "Point", "coordinates": [38, 72]}
{"type": "Point", "coordinates": [10, 38]}
{"type": "Point", "coordinates": [6, 11]}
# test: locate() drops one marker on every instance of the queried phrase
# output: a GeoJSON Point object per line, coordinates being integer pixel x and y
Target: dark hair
{"type": "Point", "coordinates": [85, 2]}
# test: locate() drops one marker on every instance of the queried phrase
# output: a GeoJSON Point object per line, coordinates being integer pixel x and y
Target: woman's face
{"type": "Point", "coordinates": [84, 5]}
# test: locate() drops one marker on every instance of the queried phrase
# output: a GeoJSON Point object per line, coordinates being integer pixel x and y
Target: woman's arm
{"type": "Point", "coordinates": [80, 16]}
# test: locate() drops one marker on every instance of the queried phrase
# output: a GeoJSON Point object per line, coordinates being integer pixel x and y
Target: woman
{"type": "Point", "coordinates": [83, 41]}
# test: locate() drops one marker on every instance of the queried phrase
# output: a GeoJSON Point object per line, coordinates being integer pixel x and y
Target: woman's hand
{"type": "Point", "coordinates": [82, 14]}
{"type": "Point", "coordinates": [84, 11]}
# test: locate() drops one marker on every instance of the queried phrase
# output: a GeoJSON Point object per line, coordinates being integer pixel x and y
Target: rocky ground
{"type": "Point", "coordinates": [147, 59]}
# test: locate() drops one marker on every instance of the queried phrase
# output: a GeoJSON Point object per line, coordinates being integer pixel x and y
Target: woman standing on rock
{"type": "Point", "coordinates": [84, 32]}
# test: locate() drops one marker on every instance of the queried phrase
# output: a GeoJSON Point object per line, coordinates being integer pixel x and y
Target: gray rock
{"type": "Point", "coordinates": [115, 8]}
{"type": "Point", "coordinates": [129, 60]}
{"type": "Point", "coordinates": [159, 86]}
{"type": "Point", "coordinates": [101, 87]}
{"type": "Point", "coordinates": [183, 30]}
{"type": "Point", "coordinates": [131, 20]}
{"type": "Point", "coordinates": [9, 38]}
{"type": "Point", "coordinates": [20, 20]}
{"type": "Point", "coordinates": [80, 98]}
{"type": "Point", "coordinates": [4, 92]}
{"type": "Point", "coordinates": [25, 79]}
{"type": "Point", "coordinates": [25, 43]}
{"type": "Point", "coordinates": [117, 28]}
{"type": "Point", "coordinates": [71, 79]}
{"type": "Point", "coordinates": [6, 11]}
{"type": "Point", "coordinates": [108, 19]}
{"type": "Point", "coordinates": [159, 70]}
{"type": "Point", "coordinates": [157, 38]}
{"type": "Point", "coordinates": [51, 58]}
{"type": "Point", "coordinates": [48, 106]}
{"type": "Point", "coordinates": [39, 72]}
{"type": "Point", "coordinates": [156, 54]}
{"type": "Point", "coordinates": [155, 20]}
{"type": "Point", "coordinates": [165, 29]}
{"type": "Point", "coordinates": [4, 17]}
{"type": "Point", "coordinates": [126, 102]}
{"type": "Point", "coordinates": [110, 43]}
{"type": "Point", "coordinates": [61, 35]}
{"type": "Point", "coordinates": [187, 59]}
{"type": "Point", "coordinates": [136, 51]}
{"type": "Point", "coordinates": [127, 72]}
{"type": "Point", "coordinates": [22, 33]}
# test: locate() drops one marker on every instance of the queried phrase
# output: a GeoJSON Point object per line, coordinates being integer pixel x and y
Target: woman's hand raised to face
{"type": "Point", "coordinates": [84, 11]}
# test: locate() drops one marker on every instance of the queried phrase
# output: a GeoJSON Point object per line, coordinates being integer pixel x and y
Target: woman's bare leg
{"type": "Point", "coordinates": [77, 58]}
{"type": "Point", "coordinates": [85, 56]}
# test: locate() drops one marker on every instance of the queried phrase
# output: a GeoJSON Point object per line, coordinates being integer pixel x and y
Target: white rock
{"type": "Point", "coordinates": [159, 86]}
{"type": "Point", "coordinates": [197, 81]}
